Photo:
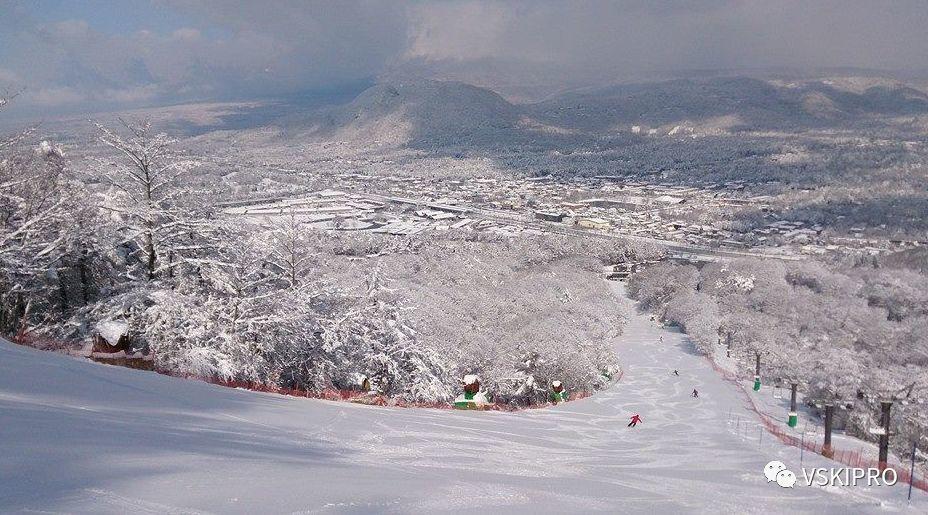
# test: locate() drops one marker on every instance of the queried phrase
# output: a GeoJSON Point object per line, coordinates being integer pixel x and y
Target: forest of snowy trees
{"type": "Point", "coordinates": [849, 334]}
{"type": "Point", "coordinates": [126, 237]}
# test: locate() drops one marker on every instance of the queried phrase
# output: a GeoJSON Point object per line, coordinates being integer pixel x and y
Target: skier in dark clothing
{"type": "Point", "coordinates": [695, 393]}
{"type": "Point", "coordinates": [676, 373]}
{"type": "Point", "coordinates": [635, 420]}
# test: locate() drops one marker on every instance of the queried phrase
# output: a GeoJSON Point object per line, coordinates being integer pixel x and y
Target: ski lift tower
{"type": "Point", "coordinates": [757, 371]}
{"type": "Point", "coordinates": [793, 414]}
{"type": "Point", "coordinates": [886, 404]}
{"type": "Point", "coordinates": [827, 450]}
{"type": "Point", "coordinates": [885, 407]}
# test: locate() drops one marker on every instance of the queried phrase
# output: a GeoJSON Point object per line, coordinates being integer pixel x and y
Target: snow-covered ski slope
{"type": "Point", "coordinates": [82, 437]}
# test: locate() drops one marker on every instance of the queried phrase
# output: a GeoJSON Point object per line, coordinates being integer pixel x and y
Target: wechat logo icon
{"type": "Point", "coordinates": [777, 471]}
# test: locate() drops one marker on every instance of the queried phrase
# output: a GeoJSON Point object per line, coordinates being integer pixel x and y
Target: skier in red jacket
{"type": "Point", "coordinates": [635, 420]}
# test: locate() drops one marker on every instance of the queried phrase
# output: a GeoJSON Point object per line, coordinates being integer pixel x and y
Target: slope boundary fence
{"type": "Point", "coordinates": [850, 458]}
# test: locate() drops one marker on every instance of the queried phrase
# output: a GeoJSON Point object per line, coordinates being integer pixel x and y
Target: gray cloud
{"type": "Point", "coordinates": [679, 35]}
{"type": "Point", "coordinates": [241, 48]}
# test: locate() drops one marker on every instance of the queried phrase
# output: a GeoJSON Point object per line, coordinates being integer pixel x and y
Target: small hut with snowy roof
{"type": "Point", "coordinates": [111, 336]}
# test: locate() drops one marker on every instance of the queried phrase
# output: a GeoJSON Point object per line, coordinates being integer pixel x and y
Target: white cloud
{"type": "Point", "coordinates": [463, 30]}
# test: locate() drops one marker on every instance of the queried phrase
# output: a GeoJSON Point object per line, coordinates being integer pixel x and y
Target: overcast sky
{"type": "Point", "coordinates": [67, 54]}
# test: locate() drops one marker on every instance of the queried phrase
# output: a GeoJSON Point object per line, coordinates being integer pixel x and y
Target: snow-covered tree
{"type": "Point", "coordinates": [291, 248]}
{"type": "Point", "coordinates": [34, 201]}
{"type": "Point", "coordinates": [146, 177]}
{"type": "Point", "coordinates": [378, 343]}
{"type": "Point", "coordinates": [698, 315]}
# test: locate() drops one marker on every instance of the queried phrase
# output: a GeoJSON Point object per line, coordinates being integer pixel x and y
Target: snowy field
{"type": "Point", "coordinates": [76, 436]}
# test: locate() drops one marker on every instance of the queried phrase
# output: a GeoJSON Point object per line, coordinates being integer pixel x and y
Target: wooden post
{"type": "Point", "coordinates": [885, 407]}
{"type": "Point", "coordinates": [827, 450]}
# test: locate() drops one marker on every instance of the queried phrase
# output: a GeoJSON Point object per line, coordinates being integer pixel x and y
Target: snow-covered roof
{"type": "Point", "coordinates": [471, 379]}
{"type": "Point", "coordinates": [555, 383]}
{"type": "Point", "coordinates": [112, 330]}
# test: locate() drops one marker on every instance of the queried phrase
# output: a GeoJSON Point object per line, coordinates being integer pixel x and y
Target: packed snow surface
{"type": "Point", "coordinates": [77, 436]}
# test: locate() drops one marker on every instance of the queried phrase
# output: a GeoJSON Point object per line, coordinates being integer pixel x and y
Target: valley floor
{"type": "Point", "coordinates": [82, 437]}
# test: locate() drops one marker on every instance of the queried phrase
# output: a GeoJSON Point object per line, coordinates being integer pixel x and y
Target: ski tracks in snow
{"type": "Point", "coordinates": [92, 438]}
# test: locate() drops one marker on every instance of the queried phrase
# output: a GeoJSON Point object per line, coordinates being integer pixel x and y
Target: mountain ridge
{"type": "Point", "coordinates": [440, 112]}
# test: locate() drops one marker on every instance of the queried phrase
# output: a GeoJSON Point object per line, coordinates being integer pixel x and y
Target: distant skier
{"type": "Point", "coordinates": [635, 420]}
{"type": "Point", "coordinates": [676, 373]}
{"type": "Point", "coordinates": [662, 338]}
{"type": "Point", "coordinates": [695, 393]}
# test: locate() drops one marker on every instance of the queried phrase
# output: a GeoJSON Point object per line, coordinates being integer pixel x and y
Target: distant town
{"type": "Point", "coordinates": [601, 206]}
